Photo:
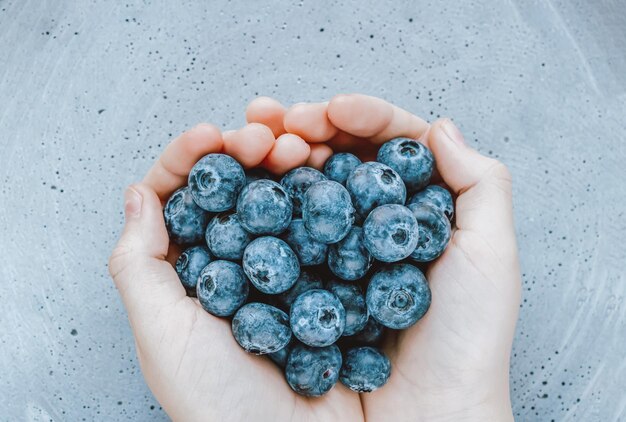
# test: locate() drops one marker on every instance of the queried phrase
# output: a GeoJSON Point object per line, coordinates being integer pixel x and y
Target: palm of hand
{"type": "Point", "coordinates": [198, 372]}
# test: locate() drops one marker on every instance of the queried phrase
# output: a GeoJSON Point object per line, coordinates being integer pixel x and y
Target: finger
{"type": "Point", "coordinates": [289, 151]}
{"type": "Point", "coordinates": [318, 156]}
{"type": "Point", "coordinates": [172, 168]}
{"type": "Point", "coordinates": [250, 144]}
{"type": "Point", "coordinates": [267, 111]}
{"type": "Point", "coordinates": [144, 279]}
{"type": "Point", "coordinates": [310, 122]}
{"type": "Point", "coordinates": [373, 118]}
{"type": "Point", "coordinates": [483, 185]}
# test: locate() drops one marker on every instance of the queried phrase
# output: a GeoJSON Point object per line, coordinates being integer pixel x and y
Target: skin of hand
{"type": "Point", "coordinates": [452, 365]}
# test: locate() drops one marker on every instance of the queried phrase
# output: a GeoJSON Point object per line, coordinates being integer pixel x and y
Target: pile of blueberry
{"type": "Point", "coordinates": [314, 268]}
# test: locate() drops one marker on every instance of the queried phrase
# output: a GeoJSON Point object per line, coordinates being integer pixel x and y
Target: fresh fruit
{"type": "Point", "coordinates": [437, 197]}
{"type": "Point", "coordinates": [271, 265]}
{"type": "Point", "coordinates": [222, 288]}
{"type": "Point", "coordinates": [317, 318]}
{"type": "Point", "coordinates": [226, 237]}
{"type": "Point", "coordinates": [390, 233]}
{"type": "Point", "coordinates": [215, 182]}
{"type": "Point", "coordinates": [261, 328]}
{"type": "Point", "coordinates": [185, 221]}
{"type": "Point", "coordinates": [313, 371]}
{"type": "Point", "coordinates": [339, 166]}
{"type": "Point", "coordinates": [373, 184]}
{"type": "Point", "coordinates": [327, 212]}
{"type": "Point", "coordinates": [434, 232]}
{"type": "Point", "coordinates": [264, 207]}
{"type": "Point", "coordinates": [349, 259]}
{"type": "Point", "coordinates": [309, 250]}
{"type": "Point", "coordinates": [410, 159]}
{"type": "Point", "coordinates": [297, 181]}
{"type": "Point", "coordinates": [190, 263]}
{"type": "Point", "coordinates": [365, 369]}
{"type": "Point", "coordinates": [398, 296]}
{"type": "Point", "coordinates": [353, 300]}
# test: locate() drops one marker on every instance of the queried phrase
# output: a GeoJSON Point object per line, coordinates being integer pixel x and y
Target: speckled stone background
{"type": "Point", "coordinates": [91, 91]}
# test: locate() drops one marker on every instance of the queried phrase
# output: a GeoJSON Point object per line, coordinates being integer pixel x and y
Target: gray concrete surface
{"type": "Point", "coordinates": [91, 91]}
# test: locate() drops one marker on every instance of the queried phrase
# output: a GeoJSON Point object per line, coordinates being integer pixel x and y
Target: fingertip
{"type": "Point", "coordinates": [250, 144]}
{"type": "Point", "coordinates": [310, 122]}
{"type": "Point", "coordinates": [318, 156]}
{"type": "Point", "coordinates": [289, 151]}
{"type": "Point", "coordinates": [267, 111]}
{"type": "Point", "coordinates": [359, 115]}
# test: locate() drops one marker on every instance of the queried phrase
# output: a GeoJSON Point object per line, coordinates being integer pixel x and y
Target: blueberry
{"type": "Point", "coordinates": [370, 335]}
{"type": "Point", "coordinates": [185, 221]}
{"type": "Point", "coordinates": [226, 237]}
{"type": "Point", "coordinates": [271, 265]}
{"type": "Point", "coordinates": [264, 207]}
{"type": "Point", "coordinates": [365, 369]}
{"type": "Point", "coordinates": [222, 288]}
{"type": "Point", "coordinates": [317, 318]}
{"type": "Point", "coordinates": [412, 160]}
{"type": "Point", "coordinates": [398, 296]}
{"type": "Point", "coordinates": [327, 211]}
{"type": "Point", "coordinates": [434, 232]}
{"type": "Point", "coordinates": [256, 174]}
{"type": "Point", "coordinates": [390, 232]}
{"type": "Point", "coordinates": [313, 371]}
{"type": "Point", "coordinates": [280, 357]}
{"type": "Point", "coordinates": [297, 181]}
{"type": "Point", "coordinates": [437, 197]}
{"type": "Point", "coordinates": [261, 328]}
{"type": "Point", "coordinates": [372, 184]}
{"type": "Point", "coordinates": [339, 166]}
{"type": "Point", "coordinates": [190, 263]}
{"type": "Point", "coordinates": [351, 297]}
{"type": "Point", "coordinates": [349, 259]}
{"type": "Point", "coordinates": [309, 250]}
{"type": "Point", "coordinates": [215, 182]}
{"type": "Point", "coordinates": [306, 281]}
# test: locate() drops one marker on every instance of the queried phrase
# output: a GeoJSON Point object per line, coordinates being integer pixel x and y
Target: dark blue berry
{"type": "Point", "coordinates": [349, 259]}
{"type": "Point", "coordinates": [306, 281]}
{"type": "Point", "coordinates": [256, 174]}
{"type": "Point", "coordinates": [317, 318]}
{"type": "Point", "coordinates": [327, 211]}
{"type": "Point", "coordinates": [437, 197]}
{"type": "Point", "coordinates": [373, 184]}
{"type": "Point", "coordinates": [226, 237]}
{"type": "Point", "coordinates": [434, 232]}
{"type": "Point", "coordinates": [398, 296]}
{"type": "Point", "coordinates": [365, 369]}
{"type": "Point", "coordinates": [271, 265]}
{"type": "Point", "coordinates": [264, 207]}
{"type": "Point", "coordinates": [190, 263]}
{"type": "Point", "coordinates": [390, 232]}
{"type": "Point", "coordinates": [261, 328]}
{"type": "Point", "coordinates": [351, 297]}
{"type": "Point", "coordinates": [185, 221]}
{"type": "Point", "coordinates": [313, 371]}
{"type": "Point", "coordinates": [222, 288]}
{"type": "Point", "coordinates": [410, 159]}
{"type": "Point", "coordinates": [370, 335]}
{"type": "Point", "coordinates": [280, 357]}
{"type": "Point", "coordinates": [215, 182]}
{"type": "Point", "coordinates": [339, 166]}
{"type": "Point", "coordinates": [309, 250]}
{"type": "Point", "coordinates": [297, 181]}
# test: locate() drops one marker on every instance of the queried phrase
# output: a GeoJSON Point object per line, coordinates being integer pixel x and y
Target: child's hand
{"type": "Point", "coordinates": [452, 365]}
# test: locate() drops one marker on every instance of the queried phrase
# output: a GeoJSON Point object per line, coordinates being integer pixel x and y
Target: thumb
{"type": "Point", "coordinates": [483, 186]}
{"type": "Point", "coordinates": [144, 279]}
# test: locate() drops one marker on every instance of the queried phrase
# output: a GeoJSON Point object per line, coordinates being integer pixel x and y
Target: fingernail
{"type": "Point", "coordinates": [452, 132]}
{"type": "Point", "coordinates": [132, 203]}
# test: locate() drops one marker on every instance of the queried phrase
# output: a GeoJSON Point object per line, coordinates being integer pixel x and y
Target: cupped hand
{"type": "Point", "coordinates": [453, 364]}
